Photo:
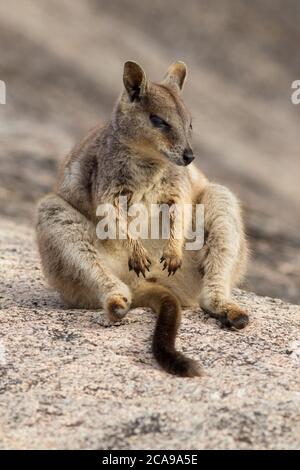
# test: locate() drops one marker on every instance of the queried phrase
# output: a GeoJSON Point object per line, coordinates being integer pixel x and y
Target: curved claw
{"type": "Point", "coordinates": [172, 263]}
{"type": "Point", "coordinates": [172, 271]}
{"type": "Point", "coordinates": [139, 266]}
{"type": "Point", "coordinates": [139, 271]}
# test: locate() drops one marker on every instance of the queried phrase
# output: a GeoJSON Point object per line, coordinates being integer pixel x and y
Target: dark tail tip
{"type": "Point", "coordinates": [176, 363]}
{"type": "Point", "coordinates": [164, 338]}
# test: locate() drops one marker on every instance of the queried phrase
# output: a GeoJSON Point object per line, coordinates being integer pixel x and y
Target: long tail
{"type": "Point", "coordinates": [167, 306]}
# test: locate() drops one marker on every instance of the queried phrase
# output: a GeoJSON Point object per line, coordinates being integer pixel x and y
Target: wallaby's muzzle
{"type": "Point", "coordinates": [188, 156]}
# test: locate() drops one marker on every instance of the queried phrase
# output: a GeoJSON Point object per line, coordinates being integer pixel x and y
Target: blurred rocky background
{"type": "Point", "coordinates": [62, 63]}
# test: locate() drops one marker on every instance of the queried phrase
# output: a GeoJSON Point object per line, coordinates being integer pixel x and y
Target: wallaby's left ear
{"type": "Point", "coordinates": [135, 80]}
{"type": "Point", "coordinates": [176, 74]}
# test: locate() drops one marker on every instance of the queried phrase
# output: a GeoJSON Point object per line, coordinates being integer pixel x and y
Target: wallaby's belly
{"type": "Point", "coordinates": [186, 283]}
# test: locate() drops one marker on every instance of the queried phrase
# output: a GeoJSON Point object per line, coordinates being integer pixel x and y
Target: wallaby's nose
{"type": "Point", "coordinates": [188, 156]}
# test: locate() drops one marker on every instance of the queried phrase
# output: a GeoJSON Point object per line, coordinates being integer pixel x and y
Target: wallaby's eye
{"type": "Point", "coordinates": [159, 122]}
{"type": "Point", "coordinates": [191, 127]}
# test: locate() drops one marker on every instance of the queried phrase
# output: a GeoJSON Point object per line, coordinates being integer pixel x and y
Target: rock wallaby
{"type": "Point", "coordinates": [143, 153]}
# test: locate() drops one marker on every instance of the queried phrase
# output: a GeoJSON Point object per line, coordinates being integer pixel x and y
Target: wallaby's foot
{"type": "Point", "coordinates": [116, 307]}
{"type": "Point", "coordinates": [231, 315]}
{"type": "Point", "coordinates": [139, 261]}
{"type": "Point", "coordinates": [227, 312]}
{"type": "Point", "coordinates": [236, 316]}
{"type": "Point", "coordinates": [172, 260]}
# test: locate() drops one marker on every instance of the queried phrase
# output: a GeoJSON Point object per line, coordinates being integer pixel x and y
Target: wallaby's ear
{"type": "Point", "coordinates": [135, 80]}
{"type": "Point", "coordinates": [176, 74]}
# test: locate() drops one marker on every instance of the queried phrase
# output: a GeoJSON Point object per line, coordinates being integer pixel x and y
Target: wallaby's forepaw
{"type": "Point", "coordinates": [172, 261]}
{"type": "Point", "coordinates": [116, 307]}
{"type": "Point", "coordinates": [139, 262]}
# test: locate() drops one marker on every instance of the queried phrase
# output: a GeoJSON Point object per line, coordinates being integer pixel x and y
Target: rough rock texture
{"type": "Point", "coordinates": [67, 380]}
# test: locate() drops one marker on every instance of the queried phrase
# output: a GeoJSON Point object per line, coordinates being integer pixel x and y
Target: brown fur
{"type": "Point", "coordinates": [132, 155]}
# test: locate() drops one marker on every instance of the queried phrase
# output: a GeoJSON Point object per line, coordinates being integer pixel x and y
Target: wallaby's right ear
{"type": "Point", "coordinates": [176, 74]}
{"type": "Point", "coordinates": [135, 80]}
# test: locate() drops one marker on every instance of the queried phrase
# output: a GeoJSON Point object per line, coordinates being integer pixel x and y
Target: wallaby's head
{"type": "Point", "coordinates": [152, 116]}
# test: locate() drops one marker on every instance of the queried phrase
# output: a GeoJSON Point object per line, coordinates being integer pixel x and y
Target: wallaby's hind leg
{"type": "Point", "coordinates": [224, 256]}
{"type": "Point", "coordinates": [71, 262]}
